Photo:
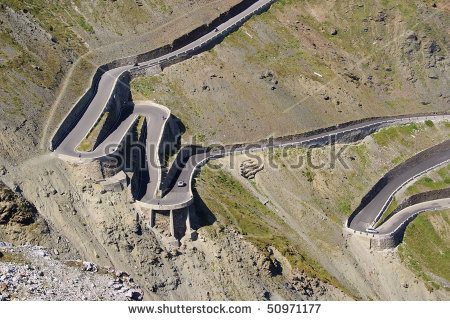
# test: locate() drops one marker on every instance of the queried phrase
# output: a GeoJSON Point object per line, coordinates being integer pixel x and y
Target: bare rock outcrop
{"type": "Point", "coordinates": [14, 208]}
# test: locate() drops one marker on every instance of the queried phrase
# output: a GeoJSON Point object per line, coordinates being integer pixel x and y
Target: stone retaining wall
{"type": "Point", "coordinates": [420, 198]}
{"type": "Point", "coordinates": [391, 240]}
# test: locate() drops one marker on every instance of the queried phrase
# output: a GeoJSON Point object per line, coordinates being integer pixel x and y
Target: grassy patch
{"type": "Point", "coordinates": [87, 144]}
{"type": "Point", "coordinates": [426, 248]}
{"type": "Point", "coordinates": [397, 160]}
{"type": "Point", "coordinates": [145, 87]}
{"type": "Point", "coordinates": [392, 206]}
{"type": "Point", "coordinates": [85, 25]}
{"type": "Point", "coordinates": [344, 207]}
{"type": "Point", "coordinates": [386, 135]}
{"type": "Point", "coordinates": [309, 175]}
{"type": "Point", "coordinates": [425, 184]}
{"type": "Point", "coordinates": [139, 126]}
{"type": "Point", "coordinates": [429, 123]}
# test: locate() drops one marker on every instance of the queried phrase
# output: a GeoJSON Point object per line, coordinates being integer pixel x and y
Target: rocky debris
{"type": "Point", "coordinates": [333, 32]}
{"type": "Point", "coordinates": [134, 295]}
{"type": "Point", "coordinates": [431, 48]}
{"type": "Point", "coordinates": [270, 78]}
{"type": "Point", "coordinates": [381, 17]}
{"type": "Point", "coordinates": [271, 267]}
{"type": "Point", "coordinates": [28, 273]}
{"type": "Point", "coordinates": [14, 208]}
{"type": "Point", "coordinates": [205, 87]}
{"type": "Point", "coordinates": [353, 78]}
{"type": "Point", "coordinates": [411, 43]}
{"type": "Point", "coordinates": [137, 228]}
{"type": "Point", "coordinates": [415, 47]}
{"type": "Point", "coordinates": [89, 266]}
{"type": "Point", "coordinates": [306, 285]}
{"type": "Point", "coordinates": [249, 168]}
{"type": "Point", "coordinates": [266, 295]}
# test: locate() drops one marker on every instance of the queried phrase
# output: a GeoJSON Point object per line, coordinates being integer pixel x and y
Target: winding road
{"type": "Point", "coordinates": [381, 195]}
{"type": "Point", "coordinates": [391, 225]}
{"type": "Point", "coordinates": [157, 117]}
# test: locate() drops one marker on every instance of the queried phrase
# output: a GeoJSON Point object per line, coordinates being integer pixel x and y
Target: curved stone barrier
{"type": "Point", "coordinates": [420, 198]}
{"type": "Point", "coordinates": [392, 239]}
{"type": "Point", "coordinates": [417, 165]}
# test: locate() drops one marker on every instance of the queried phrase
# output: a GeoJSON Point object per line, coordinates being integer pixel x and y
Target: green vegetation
{"type": "Point", "coordinates": [386, 135]}
{"type": "Point", "coordinates": [144, 87]}
{"type": "Point", "coordinates": [363, 154]}
{"type": "Point", "coordinates": [440, 180]}
{"type": "Point", "coordinates": [139, 125]}
{"type": "Point", "coordinates": [234, 205]}
{"type": "Point", "coordinates": [87, 144]}
{"type": "Point", "coordinates": [397, 160]}
{"type": "Point", "coordinates": [392, 206]}
{"type": "Point", "coordinates": [344, 207]}
{"type": "Point", "coordinates": [429, 123]}
{"type": "Point", "coordinates": [308, 175]}
{"type": "Point", "coordinates": [85, 25]}
{"type": "Point", "coordinates": [426, 248]}
{"type": "Point", "coordinates": [162, 5]}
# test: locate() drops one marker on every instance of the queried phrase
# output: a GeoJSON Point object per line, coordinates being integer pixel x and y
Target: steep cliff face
{"type": "Point", "coordinates": [14, 208]}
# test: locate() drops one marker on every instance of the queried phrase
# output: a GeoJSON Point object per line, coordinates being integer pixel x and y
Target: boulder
{"type": "Point", "coordinates": [89, 266]}
{"type": "Point", "coordinates": [134, 295]}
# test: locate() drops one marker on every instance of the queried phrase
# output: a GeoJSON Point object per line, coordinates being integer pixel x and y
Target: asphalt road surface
{"type": "Point", "coordinates": [409, 212]}
{"type": "Point", "coordinates": [397, 178]}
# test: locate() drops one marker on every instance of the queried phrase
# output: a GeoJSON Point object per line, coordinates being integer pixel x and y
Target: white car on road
{"type": "Point", "coordinates": [371, 230]}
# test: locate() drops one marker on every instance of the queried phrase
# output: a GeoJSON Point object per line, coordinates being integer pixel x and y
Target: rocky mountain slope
{"type": "Point", "coordinates": [305, 65]}
{"type": "Point", "coordinates": [104, 227]}
{"type": "Point", "coordinates": [311, 203]}
{"type": "Point", "coordinates": [29, 273]}
{"type": "Point", "coordinates": [294, 68]}
{"type": "Point", "coordinates": [37, 92]}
